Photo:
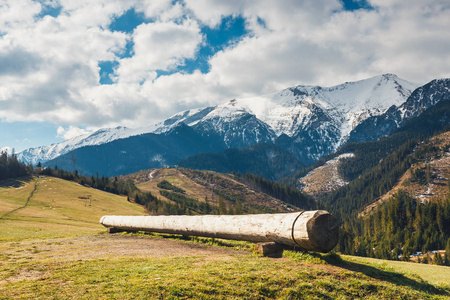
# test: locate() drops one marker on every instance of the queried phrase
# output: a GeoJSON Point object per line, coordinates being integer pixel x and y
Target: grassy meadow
{"type": "Point", "coordinates": [52, 247]}
{"type": "Point", "coordinates": [56, 208]}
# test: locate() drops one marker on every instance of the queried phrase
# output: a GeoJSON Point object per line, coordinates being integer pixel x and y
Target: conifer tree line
{"type": "Point", "coordinates": [399, 228]}
{"type": "Point", "coordinates": [188, 205]}
{"type": "Point", "coordinates": [10, 167]}
{"type": "Point", "coordinates": [403, 225]}
{"type": "Point", "coordinates": [283, 192]}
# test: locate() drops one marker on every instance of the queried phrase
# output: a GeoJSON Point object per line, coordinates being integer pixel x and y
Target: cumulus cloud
{"type": "Point", "coordinates": [49, 66]}
{"type": "Point", "coordinates": [70, 132]}
{"type": "Point", "coordinates": [18, 62]}
{"type": "Point", "coordinates": [159, 46]}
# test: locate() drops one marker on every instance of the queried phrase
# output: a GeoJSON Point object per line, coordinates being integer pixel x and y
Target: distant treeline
{"type": "Point", "coordinates": [187, 204]}
{"type": "Point", "coordinates": [10, 167]}
{"type": "Point", "coordinates": [168, 186]}
{"type": "Point", "coordinates": [401, 227]}
{"type": "Point", "coordinates": [280, 191]}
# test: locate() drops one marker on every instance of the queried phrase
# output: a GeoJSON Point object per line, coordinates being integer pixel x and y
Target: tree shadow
{"type": "Point", "coordinates": [15, 182]}
{"type": "Point", "coordinates": [392, 277]}
{"type": "Point", "coordinates": [18, 183]}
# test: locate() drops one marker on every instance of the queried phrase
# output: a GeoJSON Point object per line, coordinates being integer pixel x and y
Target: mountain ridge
{"type": "Point", "coordinates": [320, 118]}
{"type": "Point", "coordinates": [421, 99]}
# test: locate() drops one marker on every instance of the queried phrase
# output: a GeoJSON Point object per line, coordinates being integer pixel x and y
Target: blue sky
{"type": "Point", "coordinates": [71, 67]}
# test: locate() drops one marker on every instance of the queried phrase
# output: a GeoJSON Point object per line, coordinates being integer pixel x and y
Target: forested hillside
{"type": "Point", "coordinates": [264, 159]}
{"type": "Point", "coordinates": [403, 224]}
{"type": "Point", "coordinates": [401, 227]}
{"type": "Point", "coordinates": [377, 166]}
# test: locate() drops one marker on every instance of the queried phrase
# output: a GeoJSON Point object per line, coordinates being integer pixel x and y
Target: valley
{"type": "Point", "coordinates": [381, 168]}
{"type": "Point", "coordinates": [68, 254]}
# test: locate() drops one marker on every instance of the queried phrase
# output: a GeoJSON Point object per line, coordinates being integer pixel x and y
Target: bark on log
{"type": "Point", "coordinates": [311, 230]}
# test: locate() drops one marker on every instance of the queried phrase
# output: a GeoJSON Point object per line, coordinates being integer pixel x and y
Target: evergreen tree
{"type": "Point", "coordinates": [239, 208]}
{"type": "Point", "coordinates": [10, 167]}
{"type": "Point", "coordinates": [222, 206]}
{"type": "Point", "coordinates": [438, 259]}
{"type": "Point", "coordinates": [447, 253]}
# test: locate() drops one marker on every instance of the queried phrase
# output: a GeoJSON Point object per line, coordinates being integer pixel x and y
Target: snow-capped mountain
{"type": "Point", "coordinates": [420, 100]}
{"type": "Point", "coordinates": [102, 136]}
{"type": "Point", "coordinates": [308, 121]}
{"type": "Point", "coordinates": [290, 111]}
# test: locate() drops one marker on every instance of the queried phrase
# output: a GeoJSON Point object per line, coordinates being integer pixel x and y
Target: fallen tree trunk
{"type": "Point", "coordinates": [311, 230]}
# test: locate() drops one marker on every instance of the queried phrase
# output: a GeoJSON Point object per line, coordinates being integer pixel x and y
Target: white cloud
{"type": "Point", "coordinates": [70, 132]}
{"type": "Point", "coordinates": [17, 13]}
{"type": "Point", "coordinates": [159, 46]}
{"type": "Point", "coordinates": [49, 66]}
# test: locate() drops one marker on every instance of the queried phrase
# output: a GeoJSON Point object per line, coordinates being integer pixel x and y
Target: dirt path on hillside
{"type": "Point", "coordinates": [26, 203]}
{"type": "Point", "coordinates": [109, 245]}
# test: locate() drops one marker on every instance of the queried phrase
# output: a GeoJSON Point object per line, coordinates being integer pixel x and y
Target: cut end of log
{"type": "Point", "coordinates": [323, 231]}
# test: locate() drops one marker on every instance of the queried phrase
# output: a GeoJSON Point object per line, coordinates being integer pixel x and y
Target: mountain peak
{"type": "Point", "coordinates": [304, 112]}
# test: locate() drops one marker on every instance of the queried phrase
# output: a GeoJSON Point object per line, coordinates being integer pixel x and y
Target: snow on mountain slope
{"type": "Point", "coordinates": [290, 110]}
{"type": "Point", "coordinates": [348, 104]}
{"type": "Point", "coordinates": [295, 110]}
{"type": "Point", "coordinates": [325, 114]}
{"type": "Point", "coordinates": [324, 179]}
{"type": "Point", "coordinates": [102, 136]}
{"type": "Point", "coordinates": [421, 99]}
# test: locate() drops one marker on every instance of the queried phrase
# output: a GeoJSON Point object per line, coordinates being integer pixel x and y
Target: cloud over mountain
{"type": "Point", "coordinates": [52, 53]}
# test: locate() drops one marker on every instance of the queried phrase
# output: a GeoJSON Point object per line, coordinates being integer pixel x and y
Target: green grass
{"type": "Point", "coordinates": [242, 277]}
{"type": "Point", "coordinates": [57, 208]}
{"type": "Point", "coordinates": [438, 275]}
{"type": "Point", "coordinates": [42, 257]}
{"type": "Point", "coordinates": [230, 244]}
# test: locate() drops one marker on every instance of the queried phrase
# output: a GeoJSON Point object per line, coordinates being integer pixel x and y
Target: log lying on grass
{"type": "Point", "coordinates": [311, 230]}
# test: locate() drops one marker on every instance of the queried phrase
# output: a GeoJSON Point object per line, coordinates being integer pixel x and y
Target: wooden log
{"type": "Point", "coordinates": [311, 230]}
{"type": "Point", "coordinates": [267, 249]}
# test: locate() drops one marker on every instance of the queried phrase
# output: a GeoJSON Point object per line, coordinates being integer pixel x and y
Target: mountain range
{"type": "Point", "coordinates": [298, 126]}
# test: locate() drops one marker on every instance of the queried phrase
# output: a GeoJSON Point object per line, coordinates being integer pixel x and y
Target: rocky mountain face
{"type": "Point", "coordinates": [307, 122]}
{"type": "Point", "coordinates": [420, 100]}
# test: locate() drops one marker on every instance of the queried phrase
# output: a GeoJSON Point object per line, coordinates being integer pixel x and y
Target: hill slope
{"type": "Point", "coordinates": [427, 178]}
{"type": "Point", "coordinates": [48, 207]}
{"type": "Point", "coordinates": [200, 188]}
{"type": "Point", "coordinates": [125, 156]}
{"type": "Point", "coordinates": [324, 179]}
{"type": "Point", "coordinates": [263, 159]}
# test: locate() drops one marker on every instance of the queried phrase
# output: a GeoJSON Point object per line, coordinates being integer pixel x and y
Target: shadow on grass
{"type": "Point", "coordinates": [15, 182]}
{"type": "Point", "coordinates": [392, 277]}
{"type": "Point", "coordinates": [236, 245]}
{"type": "Point", "coordinates": [333, 259]}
